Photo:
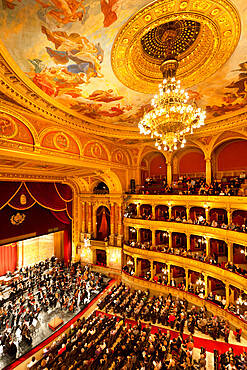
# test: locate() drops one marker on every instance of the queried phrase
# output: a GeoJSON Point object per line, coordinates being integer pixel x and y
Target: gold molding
{"type": "Point", "coordinates": [218, 38]}
{"type": "Point", "coordinates": [218, 273]}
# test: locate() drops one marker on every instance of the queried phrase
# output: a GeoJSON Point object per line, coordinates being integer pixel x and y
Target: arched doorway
{"type": "Point", "coordinates": [103, 223]}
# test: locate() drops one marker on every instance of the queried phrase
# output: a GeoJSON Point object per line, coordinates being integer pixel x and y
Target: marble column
{"type": "Point", "coordinates": [136, 266]}
{"type": "Point", "coordinates": [229, 215]}
{"type": "Point", "coordinates": [138, 235]}
{"type": "Point", "coordinates": [169, 210]}
{"type": "Point", "coordinates": [208, 170]}
{"type": "Point", "coordinates": [206, 284]}
{"type": "Point", "coordinates": [169, 273]}
{"type": "Point", "coordinates": [153, 238]}
{"type": "Point", "coordinates": [170, 240]}
{"type": "Point", "coordinates": [187, 212]}
{"type": "Point", "coordinates": [188, 241]}
{"type": "Point", "coordinates": [169, 173]}
{"type": "Point", "coordinates": [152, 270]}
{"type": "Point", "coordinates": [186, 279]}
{"type": "Point", "coordinates": [89, 217]}
{"type": "Point", "coordinates": [120, 225]}
{"type": "Point", "coordinates": [138, 210]}
{"type": "Point", "coordinates": [207, 244]}
{"type": "Point", "coordinates": [207, 216]}
{"type": "Point", "coordinates": [83, 217]}
{"type": "Point", "coordinates": [112, 218]}
{"type": "Point", "coordinates": [153, 211]}
{"type": "Point", "coordinates": [230, 251]}
{"type": "Point", "coordinates": [227, 289]}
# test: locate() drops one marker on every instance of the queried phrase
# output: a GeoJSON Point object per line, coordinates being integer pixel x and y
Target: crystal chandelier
{"type": "Point", "coordinates": [171, 118]}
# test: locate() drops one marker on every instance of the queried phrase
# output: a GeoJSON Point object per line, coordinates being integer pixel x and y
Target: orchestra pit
{"type": "Point", "coordinates": [123, 184]}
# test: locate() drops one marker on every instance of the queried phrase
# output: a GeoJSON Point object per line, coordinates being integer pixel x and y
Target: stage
{"type": "Point", "coordinates": [43, 331]}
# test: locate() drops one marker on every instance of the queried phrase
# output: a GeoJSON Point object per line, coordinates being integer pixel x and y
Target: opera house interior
{"type": "Point", "coordinates": [123, 184]}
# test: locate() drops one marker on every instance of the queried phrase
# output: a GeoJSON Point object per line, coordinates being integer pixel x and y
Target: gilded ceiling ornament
{"type": "Point", "coordinates": [96, 150]}
{"type": "Point", "coordinates": [8, 127]}
{"type": "Point", "coordinates": [119, 156]}
{"type": "Point", "coordinates": [17, 219]}
{"type": "Point", "coordinates": [61, 141]}
{"type": "Point", "coordinates": [23, 199]}
{"type": "Point", "coordinates": [207, 33]}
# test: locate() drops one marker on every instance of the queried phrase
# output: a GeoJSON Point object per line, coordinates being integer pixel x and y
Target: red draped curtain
{"type": "Point", "coordinates": [8, 258]}
{"type": "Point", "coordinates": [103, 222]}
{"type": "Point", "coordinates": [56, 198]}
{"type": "Point", "coordinates": [53, 196]}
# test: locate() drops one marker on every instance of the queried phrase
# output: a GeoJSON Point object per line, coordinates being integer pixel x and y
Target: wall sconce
{"type": "Point", "coordinates": [244, 251]}
{"type": "Point", "coordinates": [200, 281]}
{"type": "Point", "coordinates": [202, 241]}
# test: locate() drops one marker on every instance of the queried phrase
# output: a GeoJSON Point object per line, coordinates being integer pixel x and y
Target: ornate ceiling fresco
{"type": "Point", "coordinates": [101, 58]}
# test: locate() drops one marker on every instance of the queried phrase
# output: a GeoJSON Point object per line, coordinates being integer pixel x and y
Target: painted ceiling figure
{"type": "Point", "coordinates": [79, 49]}
{"type": "Point", "coordinates": [110, 9]}
{"type": "Point", "coordinates": [64, 11]}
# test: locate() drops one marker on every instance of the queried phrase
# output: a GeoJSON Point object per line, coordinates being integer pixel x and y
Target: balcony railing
{"type": "Point", "coordinates": [224, 275]}
{"type": "Point", "coordinates": [186, 228]}
{"type": "Point", "coordinates": [234, 320]}
{"type": "Point", "coordinates": [212, 201]}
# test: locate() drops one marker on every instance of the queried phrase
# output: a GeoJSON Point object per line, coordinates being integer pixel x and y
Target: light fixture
{"type": "Point", "coordinates": [200, 281]}
{"type": "Point", "coordinates": [171, 118]}
{"type": "Point", "coordinates": [244, 251]}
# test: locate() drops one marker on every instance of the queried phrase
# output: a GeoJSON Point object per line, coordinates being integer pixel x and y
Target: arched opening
{"type": "Point", "coordinates": [101, 257]}
{"type": "Point", "coordinates": [192, 164]}
{"type": "Point", "coordinates": [231, 159]}
{"type": "Point", "coordinates": [153, 167]}
{"type": "Point", "coordinates": [218, 217]}
{"type": "Point", "coordinates": [101, 188]}
{"type": "Point", "coordinates": [103, 223]}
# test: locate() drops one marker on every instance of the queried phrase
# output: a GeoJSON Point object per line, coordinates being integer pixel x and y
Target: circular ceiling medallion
{"type": "Point", "coordinates": [61, 141]}
{"type": "Point", "coordinates": [8, 127]}
{"type": "Point", "coordinates": [206, 32]}
{"type": "Point", "coordinates": [185, 33]}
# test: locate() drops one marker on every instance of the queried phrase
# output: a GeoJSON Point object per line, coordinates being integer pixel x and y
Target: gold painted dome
{"type": "Point", "coordinates": [206, 34]}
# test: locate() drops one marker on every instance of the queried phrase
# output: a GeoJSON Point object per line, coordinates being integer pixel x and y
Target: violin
{"type": "Point", "coordinates": [71, 307]}
{"type": "Point", "coordinates": [66, 301]}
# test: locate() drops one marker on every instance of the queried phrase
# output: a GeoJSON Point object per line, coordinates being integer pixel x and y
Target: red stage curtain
{"type": "Point", "coordinates": [8, 190]}
{"type": "Point", "coordinates": [8, 258]}
{"type": "Point", "coordinates": [61, 216]}
{"type": "Point", "coordinates": [56, 197]}
{"type": "Point", "coordinates": [64, 192]}
{"type": "Point", "coordinates": [15, 201]}
{"type": "Point", "coordinates": [46, 195]}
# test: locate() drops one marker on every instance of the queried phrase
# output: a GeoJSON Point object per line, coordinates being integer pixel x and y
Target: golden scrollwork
{"type": "Point", "coordinates": [17, 219]}
{"type": "Point", "coordinates": [8, 127]}
{"type": "Point", "coordinates": [61, 141]}
{"type": "Point", "coordinates": [218, 35]}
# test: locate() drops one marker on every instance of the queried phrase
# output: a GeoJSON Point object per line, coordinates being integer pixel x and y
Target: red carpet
{"type": "Point", "coordinates": [209, 344]}
{"type": "Point", "coordinates": [59, 332]}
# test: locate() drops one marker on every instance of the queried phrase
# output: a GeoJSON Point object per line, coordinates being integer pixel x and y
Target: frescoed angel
{"type": "Point", "coordinates": [79, 49]}
{"type": "Point", "coordinates": [104, 96]}
{"type": "Point", "coordinates": [9, 4]}
{"type": "Point", "coordinates": [111, 10]}
{"type": "Point", "coordinates": [64, 11]}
